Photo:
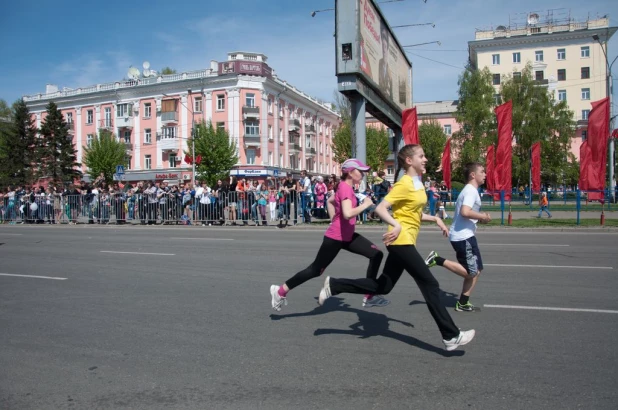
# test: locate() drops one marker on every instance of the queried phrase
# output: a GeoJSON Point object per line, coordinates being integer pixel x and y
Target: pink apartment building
{"type": "Point", "coordinates": [278, 129]}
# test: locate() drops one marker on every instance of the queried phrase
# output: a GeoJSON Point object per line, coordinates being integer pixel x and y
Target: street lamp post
{"type": "Point", "coordinates": [608, 93]}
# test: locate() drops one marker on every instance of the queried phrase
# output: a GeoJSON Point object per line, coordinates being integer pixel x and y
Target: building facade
{"type": "Point", "coordinates": [278, 129]}
{"type": "Point", "coordinates": [567, 57]}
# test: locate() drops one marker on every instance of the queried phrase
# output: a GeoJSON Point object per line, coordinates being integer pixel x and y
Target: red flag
{"type": "Point", "coordinates": [536, 167]}
{"type": "Point", "coordinates": [188, 159]}
{"type": "Point", "coordinates": [446, 164]}
{"type": "Point", "coordinates": [598, 137]}
{"type": "Point", "coordinates": [584, 165]}
{"type": "Point", "coordinates": [504, 151]}
{"type": "Point", "coordinates": [410, 126]}
{"type": "Point", "coordinates": [198, 160]}
{"type": "Point", "coordinates": [490, 169]}
{"type": "Point", "coordinates": [615, 133]}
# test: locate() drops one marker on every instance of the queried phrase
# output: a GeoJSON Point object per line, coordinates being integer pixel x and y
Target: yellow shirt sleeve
{"type": "Point", "coordinates": [397, 194]}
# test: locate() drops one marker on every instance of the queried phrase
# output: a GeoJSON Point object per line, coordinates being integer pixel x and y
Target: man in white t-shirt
{"type": "Point", "coordinates": [467, 213]}
{"type": "Point", "coordinates": [305, 198]}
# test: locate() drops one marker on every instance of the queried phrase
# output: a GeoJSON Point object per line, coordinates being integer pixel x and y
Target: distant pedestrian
{"type": "Point", "coordinates": [543, 204]}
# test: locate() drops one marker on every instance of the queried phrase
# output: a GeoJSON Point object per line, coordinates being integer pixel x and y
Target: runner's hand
{"type": "Point", "coordinates": [442, 226]}
{"type": "Point", "coordinates": [390, 237]}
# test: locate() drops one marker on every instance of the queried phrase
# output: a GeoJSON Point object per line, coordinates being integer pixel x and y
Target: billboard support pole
{"type": "Point", "coordinates": [359, 146]}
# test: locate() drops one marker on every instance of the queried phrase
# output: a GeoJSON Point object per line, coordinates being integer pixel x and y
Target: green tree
{"type": "Point", "coordinates": [377, 145]}
{"type": "Point", "coordinates": [168, 71]}
{"type": "Point", "coordinates": [342, 142]}
{"type": "Point", "coordinates": [476, 116]}
{"type": "Point", "coordinates": [103, 155]}
{"type": "Point", "coordinates": [58, 157]}
{"type": "Point", "coordinates": [538, 117]}
{"type": "Point", "coordinates": [218, 152]}
{"type": "Point", "coordinates": [18, 157]}
{"type": "Point", "coordinates": [432, 138]}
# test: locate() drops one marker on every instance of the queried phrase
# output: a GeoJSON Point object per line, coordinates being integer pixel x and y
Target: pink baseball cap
{"type": "Point", "coordinates": [352, 164]}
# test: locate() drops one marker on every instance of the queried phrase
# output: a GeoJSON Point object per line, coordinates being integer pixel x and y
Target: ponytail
{"type": "Point", "coordinates": [397, 172]}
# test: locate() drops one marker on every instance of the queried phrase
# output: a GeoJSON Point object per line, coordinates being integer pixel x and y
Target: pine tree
{"type": "Point", "coordinates": [103, 155]}
{"type": "Point", "coordinates": [217, 150]}
{"type": "Point", "coordinates": [17, 141]}
{"type": "Point", "coordinates": [58, 157]}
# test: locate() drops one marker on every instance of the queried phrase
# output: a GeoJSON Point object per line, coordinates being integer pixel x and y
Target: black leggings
{"type": "Point", "coordinates": [329, 250]}
{"type": "Point", "coordinates": [402, 257]}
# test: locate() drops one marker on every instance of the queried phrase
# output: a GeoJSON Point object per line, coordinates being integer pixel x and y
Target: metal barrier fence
{"type": "Point", "coordinates": [245, 208]}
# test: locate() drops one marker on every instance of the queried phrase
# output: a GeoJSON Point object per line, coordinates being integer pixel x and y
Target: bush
{"type": "Point", "coordinates": [456, 185]}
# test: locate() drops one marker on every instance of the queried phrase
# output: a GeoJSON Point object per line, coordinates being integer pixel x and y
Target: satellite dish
{"type": "Point", "coordinates": [500, 28]}
{"type": "Point", "coordinates": [133, 73]}
{"type": "Point", "coordinates": [533, 18]}
{"type": "Point", "coordinates": [146, 65]}
{"type": "Point", "coordinates": [146, 73]}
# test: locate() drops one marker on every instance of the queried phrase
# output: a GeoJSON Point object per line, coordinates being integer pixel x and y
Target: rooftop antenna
{"type": "Point", "coordinates": [133, 73]}
{"type": "Point", "coordinates": [146, 72]}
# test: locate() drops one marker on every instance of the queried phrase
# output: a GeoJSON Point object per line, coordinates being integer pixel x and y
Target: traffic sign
{"type": "Point", "coordinates": [276, 172]}
{"type": "Point", "coordinates": [120, 169]}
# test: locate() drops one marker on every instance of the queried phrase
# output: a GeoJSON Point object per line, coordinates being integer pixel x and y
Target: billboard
{"type": "Point", "coordinates": [367, 49]}
{"type": "Point", "coordinates": [245, 67]}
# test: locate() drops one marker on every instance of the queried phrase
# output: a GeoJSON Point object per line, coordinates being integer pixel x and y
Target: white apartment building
{"type": "Point", "coordinates": [565, 57]}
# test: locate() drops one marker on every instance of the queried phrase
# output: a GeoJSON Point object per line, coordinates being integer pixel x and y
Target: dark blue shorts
{"type": "Point", "coordinates": [469, 255]}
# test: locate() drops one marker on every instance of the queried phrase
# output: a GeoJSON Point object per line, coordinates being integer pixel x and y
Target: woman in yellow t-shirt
{"type": "Point", "coordinates": [407, 199]}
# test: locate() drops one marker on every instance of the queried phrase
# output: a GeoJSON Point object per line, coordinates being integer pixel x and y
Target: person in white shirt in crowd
{"type": "Point", "coordinates": [305, 199]}
{"type": "Point", "coordinates": [462, 236]}
{"type": "Point", "coordinates": [204, 198]}
{"type": "Point", "coordinates": [151, 195]}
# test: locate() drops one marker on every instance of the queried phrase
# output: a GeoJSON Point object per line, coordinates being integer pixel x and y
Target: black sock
{"type": "Point", "coordinates": [439, 260]}
{"type": "Point", "coordinates": [463, 299]}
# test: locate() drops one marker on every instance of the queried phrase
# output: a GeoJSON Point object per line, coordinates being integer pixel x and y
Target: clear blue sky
{"type": "Point", "coordinates": [73, 44]}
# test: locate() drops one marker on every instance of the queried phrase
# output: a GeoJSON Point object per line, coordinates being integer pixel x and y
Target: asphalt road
{"type": "Point", "coordinates": [189, 325]}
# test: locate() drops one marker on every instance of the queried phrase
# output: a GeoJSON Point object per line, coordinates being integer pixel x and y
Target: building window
{"type": "Point", "coordinates": [123, 110]}
{"type": "Point", "coordinates": [538, 75]}
{"type": "Point", "coordinates": [561, 54]}
{"type": "Point", "coordinates": [280, 164]}
{"type": "Point", "coordinates": [538, 56]}
{"type": "Point", "coordinates": [197, 104]}
{"type": "Point", "coordinates": [89, 139]}
{"type": "Point", "coordinates": [252, 128]}
{"type": "Point", "coordinates": [173, 160]}
{"type": "Point", "coordinates": [585, 72]}
{"type": "Point", "coordinates": [390, 170]}
{"type": "Point", "coordinates": [585, 114]}
{"type": "Point", "coordinates": [562, 96]}
{"type": "Point", "coordinates": [147, 136]}
{"type": "Point", "coordinates": [69, 118]}
{"type": "Point", "coordinates": [517, 76]}
{"type": "Point", "coordinates": [585, 51]}
{"type": "Point", "coordinates": [147, 162]}
{"type": "Point", "coordinates": [447, 129]}
{"type": "Point", "coordinates": [220, 102]}
{"type": "Point", "coordinates": [250, 156]}
{"type": "Point", "coordinates": [250, 100]}
{"type": "Point", "coordinates": [147, 110]}
{"type": "Point", "coordinates": [127, 136]}
{"type": "Point", "coordinates": [321, 148]}
{"type": "Point", "coordinates": [270, 158]}
{"type": "Point", "coordinates": [495, 59]}
{"type": "Point", "coordinates": [497, 99]}
{"type": "Point", "coordinates": [270, 106]}
{"type": "Point", "coordinates": [280, 111]}
{"type": "Point", "coordinates": [562, 74]}
{"type": "Point", "coordinates": [584, 135]}
{"type": "Point", "coordinates": [89, 117]}
{"type": "Point", "coordinates": [585, 93]}
{"type": "Point", "coordinates": [270, 132]}
{"type": "Point", "coordinates": [280, 135]}
{"type": "Point", "coordinates": [129, 162]}
{"type": "Point", "coordinates": [496, 79]}
{"type": "Point", "coordinates": [221, 126]}
{"type": "Point", "coordinates": [517, 57]}
{"type": "Point", "coordinates": [168, 133]}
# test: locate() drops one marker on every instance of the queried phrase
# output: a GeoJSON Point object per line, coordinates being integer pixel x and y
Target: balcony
{"type": "Point", "coordinates": [169, 117]}
{"type": "Point", "coordinates": [309, 129]}
{"type": "Point", "coordinates": [249, 112]}
{"type": "Point", "coordinates": [310, 151]}
{"type": "Point", "coordinates": [71, 127]}
{"type": "Point", "coordinates": [581, 123]}
{"type": "Point", "coordinates": [294, 126]}
{"type": "Point", "coordinates": [107, 124]}
{"type": "Point", "coordinates": [294, 147]}
{"type": "Point", "coordinates": [124, 122]}
{"type": "Point", "coordinates": [128, 147]}
{"type": "Point", "coordinates": [252, 140]}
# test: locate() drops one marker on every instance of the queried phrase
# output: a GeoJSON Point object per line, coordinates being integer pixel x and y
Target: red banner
{"type": "Point", "coordinates": [410, 126]}
{"type": "Point", "coordinates": [536, 166]}
{"type": "Point", "coordinates": [598, 137]}
{"type": "Point", "coordinates": [584, 165]}
{"type": "Point", "coordinates": [504, 150]}
{"type": "Point", "coordinates": [446, 164]}
{"type": "Point", "coordinates": [490, 169]}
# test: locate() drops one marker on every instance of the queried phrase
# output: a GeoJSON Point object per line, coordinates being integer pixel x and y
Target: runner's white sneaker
{"type": "Point", "coordinates": [276, 300]}
{"type": "Point", "coordinates": [465, 337]}
{"type": "Point", "coordinates": [376, 300]}
{"type": "Point", "coordinates": [325, 292]}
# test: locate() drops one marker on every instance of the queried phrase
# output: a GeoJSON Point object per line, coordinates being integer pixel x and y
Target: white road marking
{"type": "Point", "coordinates": [31, 276]}
{"type": "Point", "coordinates": [11, 234]}
{"type": "Point", "coordinates": [141, 253]}
{"type": "Point", "coordinates": [551, 308]}
{"type": "Point", "coordinates": [522, 244]}
{"type": "Point", "coordinates": [548, 266]}
{"type": "Point", "coordinates": [203, 239]}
